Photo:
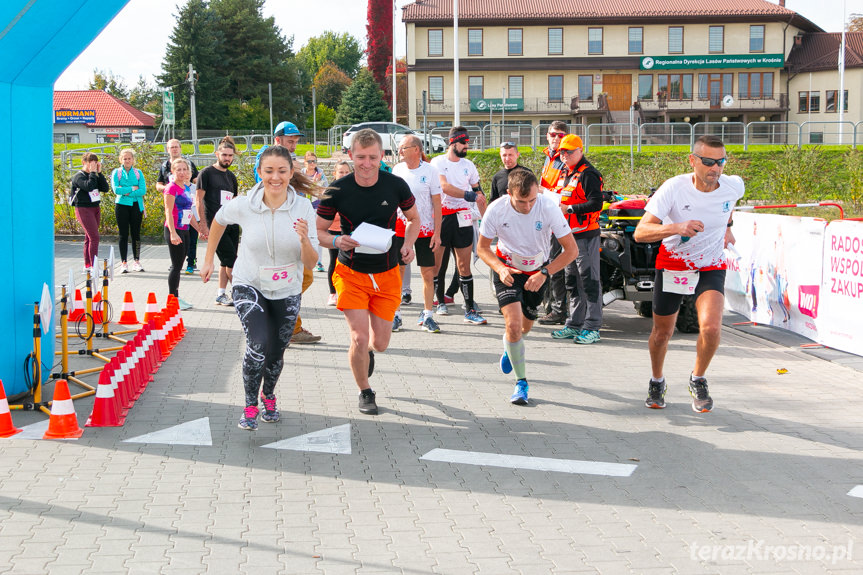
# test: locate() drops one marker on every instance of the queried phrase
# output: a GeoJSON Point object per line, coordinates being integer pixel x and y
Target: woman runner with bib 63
{"type": "Point", "coordinates": [268, 274]}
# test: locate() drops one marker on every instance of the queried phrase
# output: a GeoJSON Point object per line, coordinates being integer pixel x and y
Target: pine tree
{"type": "Point", "coordinates": [107, 81]}
{"type": "Point", "coordinates": [380, 41]}
{"type": "Point", "coordinates": [363, 101]}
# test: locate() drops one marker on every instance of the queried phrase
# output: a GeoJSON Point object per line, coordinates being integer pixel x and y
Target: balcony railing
{"type": "Point", "coordinates": [531, 105]}
{"type": "Point", "coordinates": [779, 102]}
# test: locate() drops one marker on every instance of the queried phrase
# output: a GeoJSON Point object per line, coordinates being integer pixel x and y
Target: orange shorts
{"type": "Point", "coordinates": [356, 290]}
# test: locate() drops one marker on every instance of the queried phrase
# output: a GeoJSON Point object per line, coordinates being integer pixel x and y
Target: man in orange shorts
{"type": "Point", "coordinates": [367, 281]}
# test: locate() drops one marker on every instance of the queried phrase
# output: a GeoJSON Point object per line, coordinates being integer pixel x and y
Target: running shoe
{"type": "Point", "coordinates": [371, 362]}
{"type": "Point", "coordinates": [519, 395]}
{"type": "Point", "coordinates": [397, 323]}
{"type": "Point", "coordinates": [442, 309]}
{"type": "Point", "coordinates": [552, 319]}
{"type": "Point", "coordinates": [124, 268]}
{"type": "Point", "coordinates": [587, 336]}
{"type": "Point", "coordinates": [473, 317]}
{"type": "Point", "coordinates": [446, 299]}
{"type": "Point", "coordinates": [224, 300]}
{"type": "Point", "coordinates": [137, 267]}
{"type": "Point", "coordinates": [505, 364]}
{"type": "Point", "coordinates": [332, 300]}
{"type": "Point", "coordinates": [319, 267]}
{"type": "Point", "coordinates": [566, 333]}
{"type": "Point", "coordinates": [430, 325]}
{"type": "Point", "coordinates": [406, 298]}
{"type": "Point", "coordinates": [421, 318]}
{"type": "Point", "coordinates": [305, 336]}
{"type": "Point", "coordinates": [271, 412]}
{"type": "Point", "coordinates": [249, 419]}
{"type": "Point", "coordinates": [183, 304]}
{"type": "Point", "coordinates": [701, 400]}
{"type": "Point", "coordinates": [190, 270]}
{"type": "Point", "coordinates": [656, 395]}
{"type": "Point", "coordinates": [367, 402]}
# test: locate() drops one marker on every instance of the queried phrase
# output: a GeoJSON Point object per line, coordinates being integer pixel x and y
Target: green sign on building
{"type": "Point", "coordinates": [497, 104]}
{"type": "Point", "coordinates": [713, 61]}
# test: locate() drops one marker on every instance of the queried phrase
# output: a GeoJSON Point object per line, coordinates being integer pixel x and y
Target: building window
{"type": "Point", "coordinates": [474, 42]}
{"type": "Point", "coordinates": [636, 42]}
{"type": "Point", "coordinates": [435, 88]}
{"type": "Point", "coordinates": [585, 88]}
{"type": "Point", "coordinates": [714, 87]}
{"type": "Point", "coordinates": [755, 85]}
{"type": "Point", "coordinates": [435, 42]}
{"type": "Point", "coordinates": [555, 41]}
{"type": "Point", "coordinates": [675, 39]}
{"type": "Point", "coordinates": [675, 86]}
{"type": "Point", "coordinates": [515, 87]}
{"type": "Point", "coordinates": [756, 38]}
{"type": "Point", "coordinates": [809, 102]}
{"type": "Point", "coordinates": [515, 44]}
{"type": "Point", "coordinates": [555, 88]}
{"type": "Point", "coordinates": [474, 88]}
{"type": "Point", "coordinates": [830, 97]}
{"type": "Point", "coordinates": [594, 40]}
{"type": "Point", "coordinates": [716, 39]}
{"type": "Point", "coordinates": [645, 86]}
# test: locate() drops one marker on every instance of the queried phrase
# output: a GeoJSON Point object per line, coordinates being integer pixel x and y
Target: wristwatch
{"type": "Point", "coordinates": [544, 271]}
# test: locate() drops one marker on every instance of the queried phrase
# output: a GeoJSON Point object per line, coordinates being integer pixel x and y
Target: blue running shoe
{"type": "Point", "coordinates": [505, 364]}
{"type": "Point", "coordinates": [421, 318]}
{"type": "Point", "coordinates": [397, 323]}
{"type": "Point", "coordinates": [519, 396]}
{"type": "Point", "coordinates": [430, 325]}
{"type": "Point", "coordinates": [473, 317]}
{"type": "Point", "coordinates": [249, 419]}
{"type": "Point", "coordinates": [587, 336]}
{"type": "Point", "coordinates": [566, 333]}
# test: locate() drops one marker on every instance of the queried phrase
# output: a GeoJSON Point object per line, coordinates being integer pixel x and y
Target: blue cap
{"type": "Point", "coordinates": [287, 129]}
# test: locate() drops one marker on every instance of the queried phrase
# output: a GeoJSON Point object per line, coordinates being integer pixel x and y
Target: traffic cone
{"type": "Point", "coordinates": [152, 307]}
{"type": "Point", "coordinates": [6, 427]}
{"type": "Point", "coordinates": [154, 344]}
{"type": "Point", "coordinates": [77, 311]}
{"type": "Point", "coordinates": [127, 315]}
{"type": "Point", "coordinates": [114, 378]}
{"type": "Point", "coordinates": [63, 423]}
{"type": "Point", "coordinates": [106, 408]}
{"type": "Point", "coordinates": [97, 308]}
{"type": "Point", "coordinates": [162, 336]}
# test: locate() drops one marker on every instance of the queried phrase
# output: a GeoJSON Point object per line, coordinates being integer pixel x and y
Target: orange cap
{"type": "Point", "coordinates": [570, 142]}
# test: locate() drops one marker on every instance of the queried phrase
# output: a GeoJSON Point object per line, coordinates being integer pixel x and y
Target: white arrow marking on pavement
{"type": "Point", "coordinates": [196, 432]}
{"type": "Point", "coordinates": [535, 463]}
{"type": "Point", "coordinates": [331, 440]}
{"type": "Point", "coordinates": [856, 492]}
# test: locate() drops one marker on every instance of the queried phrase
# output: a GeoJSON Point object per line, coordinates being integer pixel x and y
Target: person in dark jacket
{"type": "Point", "coordinates": [85, 197]}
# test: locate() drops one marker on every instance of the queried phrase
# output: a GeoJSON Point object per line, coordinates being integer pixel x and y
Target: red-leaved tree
{"type": "Point", "coordinates": [379, 47]}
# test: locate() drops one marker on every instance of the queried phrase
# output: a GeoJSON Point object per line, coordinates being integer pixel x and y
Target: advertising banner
{"type": "Point", "coordinates": [712, 61]}
{"type": "Point", "coordinates": [497, 104]}
{"type": "Point", "coordinates": [842, 287]}
{"type": "Point", "coordinates": [777, 279]}
{"type": "Point", "coordinates": [74, 116]}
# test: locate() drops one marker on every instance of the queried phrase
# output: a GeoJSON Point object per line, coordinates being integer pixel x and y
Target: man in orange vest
{"type": "Point", "coordinates": [551, 174]}
{"type": "Point", "coordinates": [580, 189]}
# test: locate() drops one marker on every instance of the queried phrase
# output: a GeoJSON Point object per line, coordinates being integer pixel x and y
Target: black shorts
{"type": "Point", "coordinates": [453, 236]}
{"type": "Point", "coordinates": [425, 255]}
{"type": "Point", "coordinates": [529, 300]}
{"type": "Point", "coordinates": [665, 303]}
{"type": "Point", "coordinates": [228, 246]}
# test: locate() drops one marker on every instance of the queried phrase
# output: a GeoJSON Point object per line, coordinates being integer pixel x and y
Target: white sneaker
{"type": "Point", "coordinates": [124, 268]}
{"type": "Point", "coordinates": [136, 266]}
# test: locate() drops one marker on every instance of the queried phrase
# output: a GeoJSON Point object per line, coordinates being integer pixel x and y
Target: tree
{"type": "Point", "coordinates": [107, 81]}
{"type": "Point", "coordinates": [326, 117]}
{"type": "Point", "coordinates": [380, 41]}
{"type": "Point", "coordinates": [342, 50]}
{"type": "Point", "coordinates": [401, 88]}
{"type": "Point", "coordinates": [330, 83]}
{"type": "Point", "coordinates": [363, 101]}
{"type": "Point", "coordinates": [855, 23]}
{"type": "Point", "coordinates": [251, 115]}
{"type": "Point", "coordinates": [146, 97]}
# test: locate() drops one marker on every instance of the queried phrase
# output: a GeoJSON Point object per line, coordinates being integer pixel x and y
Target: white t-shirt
{"type": "Point", "coordinates": [677, 200]}
{"type": "Point", "coordinates": [424, 182]}
{"type": "Point", "coordinates": [462, 174]}
{"type": "Point", "coordinates": [524, 237]}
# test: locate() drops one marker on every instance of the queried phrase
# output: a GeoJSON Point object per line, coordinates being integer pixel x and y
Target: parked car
{"type": "Point", "coordinates": [391, 134]}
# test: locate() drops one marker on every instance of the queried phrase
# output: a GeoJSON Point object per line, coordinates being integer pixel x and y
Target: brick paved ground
{"type": "Point", "coordinates": [758, 486]}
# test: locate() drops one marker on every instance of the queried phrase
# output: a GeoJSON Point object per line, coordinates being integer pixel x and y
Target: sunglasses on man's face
{"type": "Point", "coordinates": [710, 162]}
{"type": "Point", "coordinates": [556, 134]}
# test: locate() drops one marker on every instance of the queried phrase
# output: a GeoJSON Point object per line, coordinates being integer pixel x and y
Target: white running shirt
{"type": "Point", "coordinates": [424, 182]}
{"type": "Point", "coordinates": [462, 174]}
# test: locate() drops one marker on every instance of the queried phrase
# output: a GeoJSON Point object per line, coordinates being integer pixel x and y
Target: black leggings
{"type": "Point", "coordinates": [334, 257]}
{"type": "Point", "coordinates": [269, 325]}
{"type": "Point", "coordinates": [454, 284]}
{"type": "Point", "coordinates": [129, 218]}
{"type": "Point", "coordinates": [178, 254]}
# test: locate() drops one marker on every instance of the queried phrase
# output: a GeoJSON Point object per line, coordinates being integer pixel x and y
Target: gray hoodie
{"type": "Point", "coordinates": [269, 238]}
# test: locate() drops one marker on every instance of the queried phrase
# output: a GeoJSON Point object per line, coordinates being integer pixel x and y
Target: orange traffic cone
{"type": "Point", "coordinates": [63, 423]}
{"type": "Point", "coordinates": [152, 307]}
{"type": "Point", "coordinates": [77, 311]}
{"type": "Point", "coordinates": [162, 336]}
{"type": "Point", "coordinates": [106, 408]}
{"type": "Point", "coordinates": [127, 315]}
{"type": "Point", "coordinates": [6, 427]}
{"type": "Point", "coordinates": [97, 308]}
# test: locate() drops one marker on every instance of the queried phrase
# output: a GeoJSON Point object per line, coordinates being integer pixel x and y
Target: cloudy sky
{"type": "Point", "coordinates": [113, 51]}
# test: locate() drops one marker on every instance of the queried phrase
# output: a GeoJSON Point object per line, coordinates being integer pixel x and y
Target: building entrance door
{"type": "Point", "coordinates": [619, 90]}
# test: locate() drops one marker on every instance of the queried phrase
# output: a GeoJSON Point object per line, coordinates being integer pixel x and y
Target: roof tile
{"type": "Point", "coordinates": [110, 111]}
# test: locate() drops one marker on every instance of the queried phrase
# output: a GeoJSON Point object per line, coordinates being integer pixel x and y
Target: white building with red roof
{"type": "Point", "coordinates": [97, 117]}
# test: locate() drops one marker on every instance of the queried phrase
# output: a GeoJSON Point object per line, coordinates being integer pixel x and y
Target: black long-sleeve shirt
{"type": "Point", "coordinates": [82, 184]}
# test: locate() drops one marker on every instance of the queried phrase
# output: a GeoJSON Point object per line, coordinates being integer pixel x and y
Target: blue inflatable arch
{"type": "Point", "coordinates": [38, 41]}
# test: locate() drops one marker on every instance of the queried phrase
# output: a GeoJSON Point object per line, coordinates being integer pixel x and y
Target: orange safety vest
{"type": "Point", "coordinates": [572, 194]}
{"type": "Point", "coordinates": [552, 170]}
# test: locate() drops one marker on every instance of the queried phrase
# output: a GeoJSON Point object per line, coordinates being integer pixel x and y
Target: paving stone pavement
{"type": "Point", "coordinates": [758, 486]}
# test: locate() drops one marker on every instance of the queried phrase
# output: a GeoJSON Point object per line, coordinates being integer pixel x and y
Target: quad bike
{"type": "Point", "coordinates": [627, 268]}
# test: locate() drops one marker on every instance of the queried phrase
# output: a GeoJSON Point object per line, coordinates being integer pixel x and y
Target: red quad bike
{"type": "Point", "coordinates": [628, 268]}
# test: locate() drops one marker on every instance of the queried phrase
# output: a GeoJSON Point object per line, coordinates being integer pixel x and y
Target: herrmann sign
{"type": "Point", "coordinates": [74, 116]}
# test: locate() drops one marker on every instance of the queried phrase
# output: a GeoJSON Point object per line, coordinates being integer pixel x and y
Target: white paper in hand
{"type": "Point", "coordinates": [372, 239]}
